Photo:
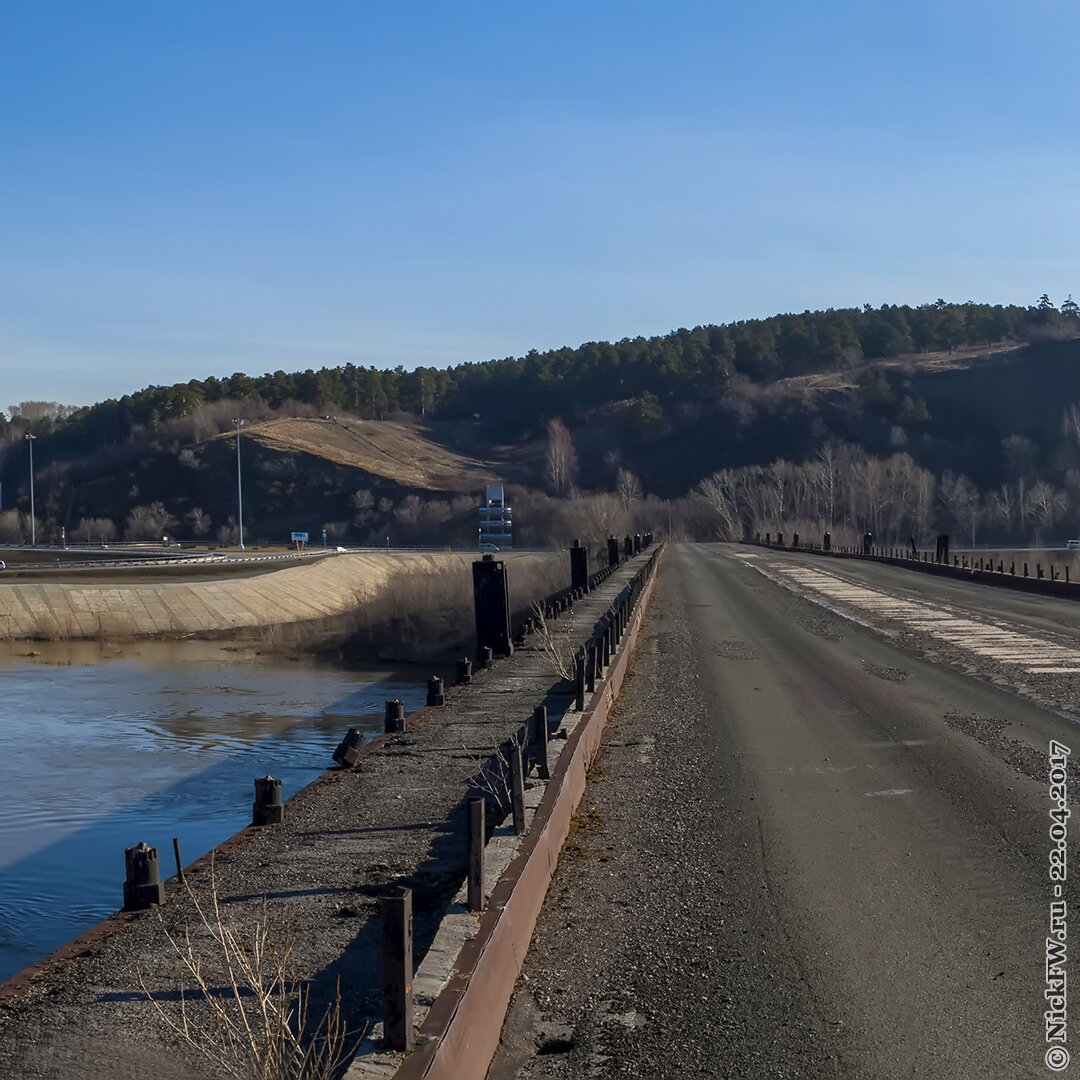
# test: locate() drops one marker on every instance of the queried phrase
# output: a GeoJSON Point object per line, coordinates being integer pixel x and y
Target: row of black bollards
{"type": "Point", "coordinates": [397, 904]}
{"type": "Point", "coordinates": [143, 886]}
{"type": "Point", "coordinates": [494, 635]}
{"type": "Point", "coordinates": [596, 654]}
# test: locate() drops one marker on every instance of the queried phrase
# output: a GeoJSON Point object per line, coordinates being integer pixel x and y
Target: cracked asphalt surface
{"type": "Point", "coordinates": [806, 850]}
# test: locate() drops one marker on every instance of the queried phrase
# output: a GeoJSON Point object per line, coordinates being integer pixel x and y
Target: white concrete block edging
{"type": "Point", "coordinates": [460, 1034]}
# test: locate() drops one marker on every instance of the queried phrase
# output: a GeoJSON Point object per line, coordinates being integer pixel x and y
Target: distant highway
{"type": "Point", "coordinates": [118, 557]}
{"type": "Point", "coordinates": [820, 841]}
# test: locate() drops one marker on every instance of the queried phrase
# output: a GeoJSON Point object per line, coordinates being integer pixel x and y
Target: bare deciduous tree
{"type": "Point", "coordinates": [1020, 454]}
{"type": "Point", "coordinates": [150, 522]}
{"type": "Point", "coordinates": [1003, 506]}
{"type": "Point", "coordinates": [720, 491]}
{"type": "Point", "coordinates": [560, 462]}
{"type": "Point", "coordinates": [91, 530]}
{"type": "Point", "coordinates": [199, 520]}
{"type": "Point", "coordinates": [961, 500]}
{"type": "Point", "coordinates": [597, 516]}
{"type": "Point", "coordinates": [1046, 504]}
{"type": "Point", "coordinates": [628, 487]}
{"type": "Point", "coordinates": [1070, 423]}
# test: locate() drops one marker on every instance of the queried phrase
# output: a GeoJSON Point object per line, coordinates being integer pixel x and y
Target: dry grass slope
{"type": "Point", "coordinates": [962, 357]}
{"type": "Point", "coordinates": [382, 448]}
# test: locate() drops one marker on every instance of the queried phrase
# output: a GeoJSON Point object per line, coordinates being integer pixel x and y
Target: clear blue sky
{"type": "Point", "coordinates": [197, 188]}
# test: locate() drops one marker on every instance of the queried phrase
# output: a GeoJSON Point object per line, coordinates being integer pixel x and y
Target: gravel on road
{"type": "Point", "coordinates": [659, 952]}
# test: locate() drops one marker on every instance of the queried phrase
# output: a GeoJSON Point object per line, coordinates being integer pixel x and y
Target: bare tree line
{"type": "Point", "coordinates": [846, 492]}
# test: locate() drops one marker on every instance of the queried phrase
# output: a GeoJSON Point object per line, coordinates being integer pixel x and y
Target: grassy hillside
{"type": "Point", "coordinates": [381, 449]}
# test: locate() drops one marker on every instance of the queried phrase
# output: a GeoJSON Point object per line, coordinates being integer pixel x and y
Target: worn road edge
{"type": "Point", "coordinates": [459, 1037]}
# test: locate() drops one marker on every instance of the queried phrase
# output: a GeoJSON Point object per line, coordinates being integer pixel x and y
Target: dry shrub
{"type": "Point", "coordinates": [244, 1009]}
{"type": "Point", "coordinates": [492, 776]}
{"type": "Point", "coordinates": [428, 613]}
{"type": "Point", "coordinates": [421, 614]}
{"type": "Point", "coordinates": [531, 578]}
{"type": "Point", "coordinates": [556, 642]}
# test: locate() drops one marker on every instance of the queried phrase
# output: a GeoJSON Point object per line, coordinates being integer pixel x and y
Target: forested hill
{"type": "Point", "coordinates": [514, 397]}
{"type": "Point", "coordinates": [986, 394]}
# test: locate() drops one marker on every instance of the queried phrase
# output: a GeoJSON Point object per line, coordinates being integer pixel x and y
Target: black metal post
{"type": "Point", "coordinates": [579, 567]}
{"type": "Point", "coordinates": [348, 752]}
{"type": "Point", "coordinates": [464, 672]}
{"type": "Point", "coordinates": [435, 694]}
{"type": "Point", "coordinates": [397, 968]}
{"type": "Point", "coordinates": [492, 602]}
{"type": "Point", "coordinates": [517, 788]}
{"type": "Point", "coordinates": [540, 741]}
{"type": "Point", "coordinates": [476, 854]}
{"type": "Point", "coordinates": [395, 717]}
{"type": "Point", "coordinates": [268, 808]}
{"type": "Point", "coordinates": [142, 885]}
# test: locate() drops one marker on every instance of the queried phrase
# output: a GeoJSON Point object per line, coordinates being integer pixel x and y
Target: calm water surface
{"type": "Point", "coordinates": [98, 753]}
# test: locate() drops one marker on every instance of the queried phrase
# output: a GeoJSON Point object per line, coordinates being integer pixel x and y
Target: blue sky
{"type": "Point", "coordinates": [201, 188]}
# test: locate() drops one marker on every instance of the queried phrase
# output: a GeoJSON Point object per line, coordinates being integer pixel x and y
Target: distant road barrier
{"type": "Point", "coordinates": [149, 562]}
{"type": "Point", "coordinates": [1019, 575]}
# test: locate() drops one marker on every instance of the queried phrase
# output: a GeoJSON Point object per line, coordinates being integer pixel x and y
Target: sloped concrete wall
{"type": "Point", "coordinates": [317, 589]}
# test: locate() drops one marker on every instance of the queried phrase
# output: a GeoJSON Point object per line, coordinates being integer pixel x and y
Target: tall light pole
{"type": "Point", "coordinates": [33, 527]}
{"type": "Point", "coordinates": [239, 491]}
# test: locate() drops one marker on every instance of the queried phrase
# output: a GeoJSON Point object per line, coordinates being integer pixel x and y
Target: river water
{"type": "Point", "coordinates": [100, 752]}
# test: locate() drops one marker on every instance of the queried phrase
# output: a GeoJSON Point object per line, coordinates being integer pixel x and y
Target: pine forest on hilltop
{"type": "Point", "coordinates": [897, 420]}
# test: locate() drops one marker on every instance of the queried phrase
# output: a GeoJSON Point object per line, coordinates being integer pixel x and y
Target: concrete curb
{"type": "Point", "coordinates": [461, 1032]}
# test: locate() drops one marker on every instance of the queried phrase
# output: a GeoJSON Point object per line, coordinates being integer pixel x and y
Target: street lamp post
{"type": "Point", "coordinates": [239, 491]}
{"type": "Point", "coordinates": [33, 526]}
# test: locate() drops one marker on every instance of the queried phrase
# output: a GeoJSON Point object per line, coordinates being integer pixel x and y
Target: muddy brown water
{"type": "Point", "coordinates": [102, 749]}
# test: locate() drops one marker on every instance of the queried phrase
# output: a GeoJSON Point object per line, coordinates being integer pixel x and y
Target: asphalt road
{"type": "Point", "coordinates": [816, 842]}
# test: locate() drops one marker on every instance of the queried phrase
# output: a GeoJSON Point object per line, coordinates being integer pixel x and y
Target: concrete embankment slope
{"type": "Point", "coordinates": [312, 590]}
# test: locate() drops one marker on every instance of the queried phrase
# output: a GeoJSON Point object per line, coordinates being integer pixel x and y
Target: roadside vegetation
{"type": "Point", "coordinates": [239, 1002]}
